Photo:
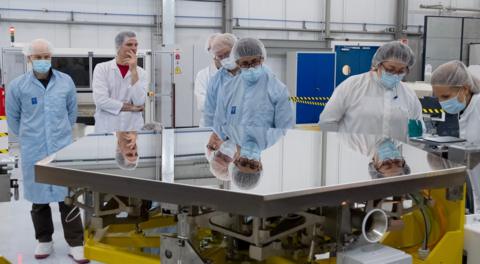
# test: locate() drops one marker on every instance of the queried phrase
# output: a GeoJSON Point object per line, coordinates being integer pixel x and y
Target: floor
{"type": "Point", "coordinates": [17, 238]}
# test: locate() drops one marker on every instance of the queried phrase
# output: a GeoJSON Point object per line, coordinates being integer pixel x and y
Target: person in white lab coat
{"type": "Point", "coordinates": [376, 102]}
{"type": "Point", "coordinates": [458, 91]}
{"type": "Point", "coordinates": [203, 77]}
{"type": "Point", "coordinates": [120, 88]}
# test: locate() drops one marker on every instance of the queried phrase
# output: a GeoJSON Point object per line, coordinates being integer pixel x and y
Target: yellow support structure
{"type": "Point", "coordinates": [4, 260]}
{"type": "Point", "coordinates": [446, 236]}
{"type": "Point", "coordinates": [121, 243]}
{"type": "Point", "coordinates": [114, 255]}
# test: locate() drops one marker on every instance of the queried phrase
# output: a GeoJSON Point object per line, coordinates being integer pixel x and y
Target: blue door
{"type": "Point", "coordinates": [353, 60]}
{"type": "Point", "coordinates": [315, 78]}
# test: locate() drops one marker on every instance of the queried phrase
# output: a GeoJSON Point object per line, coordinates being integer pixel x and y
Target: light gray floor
{"type": "Point", "coordinates": [17, 238]}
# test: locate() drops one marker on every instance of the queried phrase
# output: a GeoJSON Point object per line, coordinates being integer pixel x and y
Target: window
{"type": "Point", "coordinates": [97, 60]}
{"type": "Point", "coordinates": [76, 67]}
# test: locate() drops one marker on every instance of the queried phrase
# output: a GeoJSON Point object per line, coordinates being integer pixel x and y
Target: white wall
{"type": "Point", "coordinates": [272, 13]}
{"type": "Point", "coordinates": [76, 36]}
{"type": "Point", "coordinates": [345, 15]}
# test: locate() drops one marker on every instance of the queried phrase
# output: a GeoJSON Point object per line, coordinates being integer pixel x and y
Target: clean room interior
{"type": "Point", "coordinates": [228, 131]}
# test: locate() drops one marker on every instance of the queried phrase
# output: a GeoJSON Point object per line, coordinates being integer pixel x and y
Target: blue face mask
{"type": "Point", "coordinates": [41, 66]}
{"type": "Point", "coordinates": [388, 151]}
{"type": "Point", "coordinates": [251, 75]}
{"type": "Point", "coordinates": [390, 80]}
{"type": "Point", "coordinates": [453, 106]}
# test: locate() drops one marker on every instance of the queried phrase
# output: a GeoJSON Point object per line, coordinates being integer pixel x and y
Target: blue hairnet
{"type": "Point", "coordinates": [246, 47]}
{"type": "Point", "coordinates": [395, 51]}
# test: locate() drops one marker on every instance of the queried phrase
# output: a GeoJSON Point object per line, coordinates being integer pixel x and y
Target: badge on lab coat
{"type": "Point", "coordinates": [234, 109]}
{"type": "Point", "coordinates": [34, 100]}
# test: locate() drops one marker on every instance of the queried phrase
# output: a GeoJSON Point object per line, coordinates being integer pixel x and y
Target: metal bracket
{"type": "Point", "coordinates": [174, 250]}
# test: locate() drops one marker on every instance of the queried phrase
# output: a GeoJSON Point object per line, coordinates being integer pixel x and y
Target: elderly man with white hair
{"type": "Point", "coordinates": [41, 110]}
{"type": "Point", "coordinates": [120, 88]}
{"type": "Point", "coordinates": [222, 45]}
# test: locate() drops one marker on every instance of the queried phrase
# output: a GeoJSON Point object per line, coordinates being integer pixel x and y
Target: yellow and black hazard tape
{"type": "Point", "coordinates": [3, 134]}
{"type": "Point", "coordinates": [307, 98]}
{"type": "Point", "coordinates": [310, 103]}
{"type": "Point", "coordinates": [3, 118]}
{"type": "Point", "coordinates": [4, 151]}
{"type": "Point", "coordinates": [432, 111]}
{"type": "Point", "coordinates": [313, 101]}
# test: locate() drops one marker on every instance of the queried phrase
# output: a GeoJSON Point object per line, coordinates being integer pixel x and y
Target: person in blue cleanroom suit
{"type": "Point", "coordinates": [221, 49]}
{"type": "Point", "coordinates": [246, 168]}
{"type": "Point", "coordinates": [41, 110]}
{"type": "Point", "coordinates": [256, 97]}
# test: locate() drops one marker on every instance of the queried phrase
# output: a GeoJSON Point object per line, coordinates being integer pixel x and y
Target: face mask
{"type": "Point", "coordinates": [251, 75]}
{"type": "Point", "coordinates": [41, 66]}
{"type": "Point", "coordinates": [209, 154]}
{"type": "Point", "coordinates": [228, 148]}
{"type": "Point", "coordinates": [228, 63]}
{"type": "Point", "coordinates": [453, 105]}
{"type": "Point", "coordinates": [388, 151]}
{"type": "Point", "coordinates": [390, 80]}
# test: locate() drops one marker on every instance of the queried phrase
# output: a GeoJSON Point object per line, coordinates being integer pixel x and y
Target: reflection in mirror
{"type": "Point", "coordinates": [388, 161]}
{"type": "Point", "coordinates": [249, 160]}
{"type": "Point", "coordinates": [385, 153]}
{"type": "Point", "coordinates": [238, 157]}
{"type": "Point", "coordinates": [126, 153]}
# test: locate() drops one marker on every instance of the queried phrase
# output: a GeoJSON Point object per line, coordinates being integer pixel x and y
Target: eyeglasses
{"type": "Point", "coordinates": [220, 155]}
{"type": "Point", "coordinates": [211, 147]}
{"type": "Point", "coordinates": [250, 64]}
{"type": "Point", "coordinates": [394, 70]}
{"type": "Point", "coordinates": [247, 163]}
{"type": "Point", "coordinates": [221, 56]}
{"type": "Point", "coordinates": [388, 164]}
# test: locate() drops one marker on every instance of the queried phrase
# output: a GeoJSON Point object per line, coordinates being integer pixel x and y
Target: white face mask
{"type": "Point", "coordinates": [228, 63]}
{"type": "Point", "coordinates": [209, 154]}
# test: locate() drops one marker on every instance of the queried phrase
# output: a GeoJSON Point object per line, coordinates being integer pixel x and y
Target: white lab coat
{"type": "Point", "coordinates": [201, 85]}
{"type": "Point", "coordinates": [110, 91]}
{"type": "Point", "coordinates": [469, 121]}
{"type": "Point", "coordinates": [362, 105]}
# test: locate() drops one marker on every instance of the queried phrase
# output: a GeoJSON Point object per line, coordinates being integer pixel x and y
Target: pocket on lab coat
{"type": "Point", "coordinates": [59, 106]}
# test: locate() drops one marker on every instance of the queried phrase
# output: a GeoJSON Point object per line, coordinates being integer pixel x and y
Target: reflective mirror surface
{"type": "Point", "coordinates": [255, 160]}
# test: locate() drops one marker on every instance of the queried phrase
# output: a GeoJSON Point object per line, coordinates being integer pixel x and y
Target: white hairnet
{"type": "Point", "coordinates": [219, 170]}
{"type": "Point", "coordinates": [208, 43]}
{"type": "Point", "coordinates": [474, 71]}
{"type": "Point", "coordinates": [32, 46]}
{"type": "Point", "coordinates": [396, 51]}
{"type": "Point", "coordinates": [222, 41]}
{"type": "Point", "coordinates": [455, 73]}
{"type": "Point", "coordinates": [244, 180]}
{"type": "Point", "coordinates": [122, 36]}
{"type": "Point", "coordinates": [246, 47]}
